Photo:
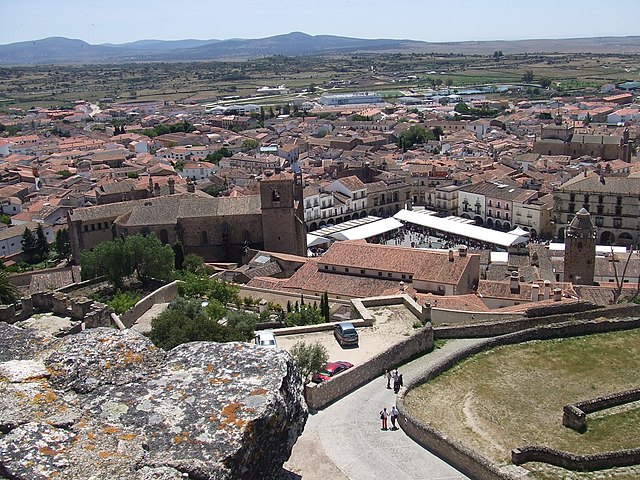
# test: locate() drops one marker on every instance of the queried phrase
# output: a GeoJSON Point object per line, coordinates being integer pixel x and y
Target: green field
{"type": "Point", "coordinates": [52, 86]}
{"type": "Point", "coordinates": [513, 395]}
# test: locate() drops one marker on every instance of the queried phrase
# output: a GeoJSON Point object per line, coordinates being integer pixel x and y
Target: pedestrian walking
{"type": "Point", "coordinates": [397, 384]}
{"type": "Point", "coordinates": [383, 416]}
{"type": "Point", "coordinates": [394, 417]}
{"type": "Point", "coordinates": [387, 375]}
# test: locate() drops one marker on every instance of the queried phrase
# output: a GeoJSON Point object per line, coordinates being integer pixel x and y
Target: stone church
{"type": "Point", "coordinates": [218, 229]}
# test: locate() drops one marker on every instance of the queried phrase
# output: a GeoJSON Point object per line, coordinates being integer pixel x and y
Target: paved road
{"type": "Point", "coordinates": [345, 441]}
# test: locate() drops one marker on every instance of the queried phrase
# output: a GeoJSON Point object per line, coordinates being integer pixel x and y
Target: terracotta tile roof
{"type": "Point", "coordinates": [422, 264]}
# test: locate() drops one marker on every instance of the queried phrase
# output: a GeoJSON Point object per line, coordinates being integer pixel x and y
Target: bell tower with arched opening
{"type": "Point", "coordinates": [283, 226]}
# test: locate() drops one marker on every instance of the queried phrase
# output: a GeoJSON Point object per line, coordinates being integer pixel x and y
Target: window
{"type": "Point", "coordinates": [275, 196]}
{"type": "Point", "coordinates": [346, 269]}
{"type": "Point", "coordinates": [326, 267]}
{"type": "Point", "coordinates": [333, 268]}
{"type": "Point", "coordinates": [379, 274]}
{"type": "Point", "coordinates": [204, 238]}
{"type": "Point", "coordinates": [600, 198]}
{"type": "Point", "coordinates": [586, 199]}
{"type": "Point", "coordinates": [572, 207]}
{"type": "Point", "coordinates": [389, 274]}
{"type": "Point", "coordinates": [362, 272]}
{"type": "Point", "coordinates": [404, 276]}
{"type": "Point", "coordinates": [86, 228]}
{"type": "Point", "coordinates": [617, 223]}
{"type": "Point", "coordinates": [599, 221]}
{"type": "Point", "coordinates": [618, 200]}
{"type": "Point", "coordinates": [618, 210]}
{"type": "Point", "coordinates": [498, 204]}
{"type": "Point", "coordinates": [572, 197]}
{"type": "Point", "coordinates": [600, 209]}
{"type": "Point", "coordinates": [106, 224]}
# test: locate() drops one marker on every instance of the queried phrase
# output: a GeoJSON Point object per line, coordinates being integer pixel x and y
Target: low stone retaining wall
{"type": "Point", "coordinates": [502, 327]}
{"type": "Point", "coordinates": [570, 461]}
{"type": "Point", "coordinates": [320, 395]}
{"type": "Point", "coordinates": [320, 327]}
{"type": "Point", "coordinates": [164, 294]}
{"type": "Point", "coordinates": [464, 459]}
{"type": "Point", "coordinates": [361, 306]}
{"type": "Point", "coordinates": [574, 415]}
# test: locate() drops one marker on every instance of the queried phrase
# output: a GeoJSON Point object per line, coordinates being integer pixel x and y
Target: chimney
{"type": "Point", "coordinates": [156, 190]}
{"type": "Point", "coordinates": [557, 294]}
{"type": "Point", "coordinates": [172, 185]}
{"type": "Point", "coordinates": [462, 250]}
{"type": "Point", "coordinates": [514, 282]}
{"type": "Point", "coordinates": [547, 289]}
{"type": "Point", "coordinates": [191, 188]}
{"type": "Point", "coordinates": [535, 292]}
{"type": "Point", "coordinates": [451, 255]}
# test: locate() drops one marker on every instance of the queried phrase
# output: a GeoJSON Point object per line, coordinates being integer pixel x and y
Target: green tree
{"type": "Point", "coordinates": [63, 243]}
{"type": "Point", "coordinates": [310, 357]}
{"type": "Point", "coordinates": [545, 82]}
{"type": "Point", "coordinates": [186, 321]}
{"type": "Point", "coordinates": [528, 76]}
{"type": "Point", "coordinates": [9, 293]}
{"type": "Point", "coordinates": [111, 259]}
{"type": "Point", "coordinates": [415, 134]}
{"type": "Point", "coordinates": [29, 243]}
{"type": "Point", "coordinates": [461, 108]}
{"type": "Point", "coordinates": [178, 251]}
{"type": "Point", "coordinates": [42, 245]}
{"type": "Point", "coordinates": [304, 315]}
{"type": "Point", "coordinates": [4, 218]}
{"type": "Point", "coordinates": [150, 257]}
{"type": "Point", "coordinates": [249, 144]}
{"type": "Point", "coordinates": [497, 55]}
{"type": "Point", "coordinates": [324, 306]}
{"type": "Point", "coordinates": [193, 263]}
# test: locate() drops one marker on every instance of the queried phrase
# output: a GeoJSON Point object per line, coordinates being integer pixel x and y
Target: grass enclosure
{"type": "Point", "coordinates": [513, 395]}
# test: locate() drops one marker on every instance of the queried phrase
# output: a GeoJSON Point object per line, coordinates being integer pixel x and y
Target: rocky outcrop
{"type": "Point", "coordinates": [108, 404]}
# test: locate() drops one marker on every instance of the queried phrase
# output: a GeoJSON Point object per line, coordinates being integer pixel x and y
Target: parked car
{"type": "Point", "coordinates": [266, 338]}
{"type": "Point", "coordinates": [330, 370]}
{"type": "Point", "coordinates": [346, 334]}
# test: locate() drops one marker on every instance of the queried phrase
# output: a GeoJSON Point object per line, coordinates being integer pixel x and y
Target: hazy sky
{"type": "Point", "coordinates": [118, 21]}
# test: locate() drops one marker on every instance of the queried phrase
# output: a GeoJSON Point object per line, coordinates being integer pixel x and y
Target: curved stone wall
{"type": "Point", "coordinates": [452, 451]}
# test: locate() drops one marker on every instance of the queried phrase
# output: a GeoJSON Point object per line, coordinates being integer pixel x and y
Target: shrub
{"type": "Point", "coordinates": [123, 301]}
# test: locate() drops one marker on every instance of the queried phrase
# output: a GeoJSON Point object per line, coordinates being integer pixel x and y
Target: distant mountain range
{"type": "Point", "coordinates": [60, 50]}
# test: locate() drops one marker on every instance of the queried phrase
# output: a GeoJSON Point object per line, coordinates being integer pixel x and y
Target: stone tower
{"type": "Point", "coordinates": [580, 250]}
{"type": "Point", "coordinates": [283, 226]}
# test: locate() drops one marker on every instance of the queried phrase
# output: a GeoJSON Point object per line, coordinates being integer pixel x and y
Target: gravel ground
{"type": "Point", "coordinates": [393, 324]}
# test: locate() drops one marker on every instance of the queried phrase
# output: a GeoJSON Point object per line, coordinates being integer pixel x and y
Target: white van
{"type": "Point", "coordinates": [266, 338]}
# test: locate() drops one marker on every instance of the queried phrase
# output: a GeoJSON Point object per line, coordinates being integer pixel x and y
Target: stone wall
{"type": "Point", "coordinates": [361, 306]}
{"type": "Point", "coordinates": [574, 415]}
{"type": "Point", "coordinates": [94, 314]}
{"type": "Point", "coordinates": [502, 327]}
{"type": "Point", "coordinates": [452, 451]}
{"type": "Point", "coordinates": [24, 279]}
{"type": "Point", "coordinates": [462, 458]}
{"type": "Point", "coordinates": [320, 395]}
{"type": "Point", "coordinates": [570, 461]}
{"type": "Point", "coordinates": [442, 317]}
{"type": "Point", "coordinates": [164, 294]}
{"type": "Point", "coordinates": [282, 298]}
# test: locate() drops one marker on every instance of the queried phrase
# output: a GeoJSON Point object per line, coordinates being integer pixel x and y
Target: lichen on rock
{"type": "Point", "coordinates": [111, 405]}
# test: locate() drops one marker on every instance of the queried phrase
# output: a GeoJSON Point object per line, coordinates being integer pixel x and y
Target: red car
{"type": "Point", "coordinates": [329, 370]}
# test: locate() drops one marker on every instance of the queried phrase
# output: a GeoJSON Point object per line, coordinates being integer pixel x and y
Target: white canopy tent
{"type": "Point", "coordinates": [368, 230]}
{"type": "Point", "coordinates": [601, 250]}
{"type": "Point", "coordinates": [315, 240]}
{"type": "Point", "coordinates": [429, 219]}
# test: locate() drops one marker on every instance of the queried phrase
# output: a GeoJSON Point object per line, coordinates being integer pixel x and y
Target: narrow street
{"type": "Point", "coordinates": [345, 440]}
